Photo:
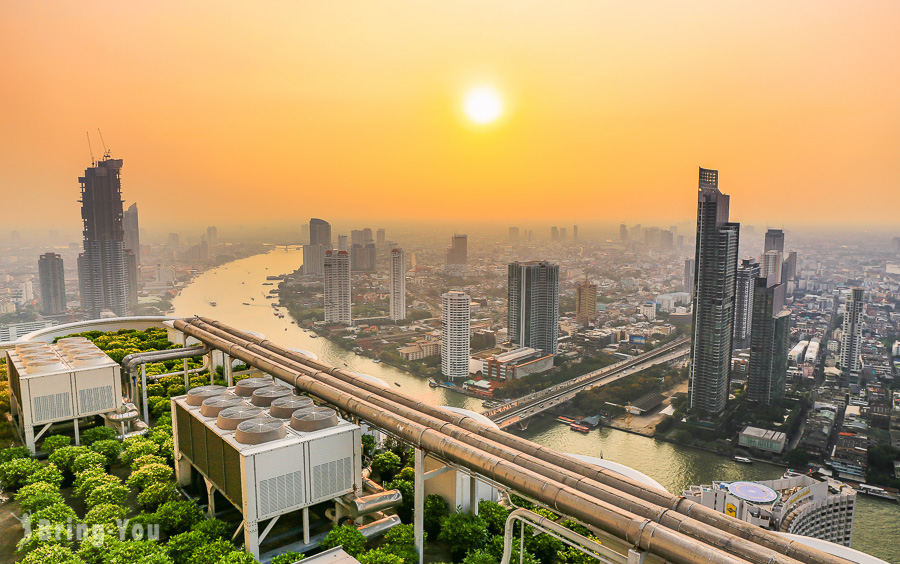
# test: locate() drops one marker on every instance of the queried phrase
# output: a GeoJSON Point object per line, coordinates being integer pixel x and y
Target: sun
{"type": "Point", "coordinates": [483, 105]}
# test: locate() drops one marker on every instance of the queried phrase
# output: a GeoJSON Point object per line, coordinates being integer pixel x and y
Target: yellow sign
{"type": "Point", "coordinates": [730, 509]}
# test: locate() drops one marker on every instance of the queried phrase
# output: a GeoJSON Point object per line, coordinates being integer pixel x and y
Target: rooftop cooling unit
{"type": "Point", "coordinates": [230, 417]}
{"type": "Point", "coordinates": [284, 407]}
{"type": "Point", "coordinates": [260, 430]}
{"type": "Point", "coordinates": [313, 419]}
{"type": "Point", "coordinates": [247, 386]}
{"type": "Point", "coordinates": [196, 396]}
{"type": "Point", "coordinates": [212, 407]}
{"type": "Point", "coordinates": [263, 397]}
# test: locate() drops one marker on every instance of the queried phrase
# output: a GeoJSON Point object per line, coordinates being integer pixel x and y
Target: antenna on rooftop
{"type": "Point", "coordinates": [106, 153]}
{"type": "Point", "coordinates": [89, 147]}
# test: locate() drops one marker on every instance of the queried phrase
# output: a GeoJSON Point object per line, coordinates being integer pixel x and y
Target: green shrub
{"type": "Point", "coordinates": [408, 474]}
{"type": "Point", "coordinates": [146, 460]}
{"type": "Point", "coordinates": [136, 447]}
{"type": "Point", "coordinates": [212, 552]}
{"type": "Point", "coordinates": [436, 510]}
{"type": "Point", "coordinates": [15, 473]}
{"type": "Point", "coordinates": [178, 516]}
{"type": "Point", "coordinates": [104, 514]}
{"type": "Point", "coordinates": [37, 496]}
{"type": "Point", "coordinates": [145, 552]}
{"type": "Point", "coordinates": [156, 494]}
{"type": "Point", "coordinates": [51, 554]}
{"type": "Point", "coordinates": [96, 434]}
{"type": "Point", "coordinates": [401, 541]}
{"type": "Point", "coordinates": [379, 556]}
{"type": "Point", "coordinates": [165, 419]}
{"type": "Point", "coordinates": [47, 473]}
{"type": "Point", "coordinates": [145, 521]}
{"type": "Point", "coordinates": [407, 490]}
{"type": "Point", "coordinates": [386, 464]}
{"type": "Point", "coordinates": [176, 390]}
{"type": "Point", "coordinates": [159, 405]}
{"type": "Point", "coordinates": [54, 442]}
{"type": "Point", "coordinates": [88, 460]}
{"type": "Point", "coordinates": [156, 390]}
{"type": "Point", "coordinates": [494, 515]}
{"type": "Point", "coordinates": [168, 450]}
{"type": "Point", "coordinates": [347, 536]}
{"type": "Point", "coordinates": [150, 474]}
{"type": "Point", "coordinates": [214, 528]}
{"type": "Point", "coordinates": [13, 453]}
{"type": "Point", "coordinates": [92, 478]}
{"type": "Point", "coordinates": [237, 557]}
{"type": "Point", "coordinates": [65, 457]}
{"type": "Point", "coordinates": [107, 493]}
{"type": "Point", "coordinates": [288, 558]}
{"type": "Point", "coordinates": [463, 532]}
{"type": "Point", "coordinates": [56, 513]}
{"type": "Point", "coordinates": [182, 546]}
{"type": "Point", "coordinates": [109, 448]}
{"type": "Point", "coordinates": [95, 550]}
{"type": "Point", "coordinates": [43, 535]}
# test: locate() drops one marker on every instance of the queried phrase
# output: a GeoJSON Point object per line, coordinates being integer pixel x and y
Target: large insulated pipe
{"type": "Point", "coordinates": [130, 362]}
{"type": "Point", "coordinates": [641, 532]}
{"type": "Point", "coordinates": [745, 540]}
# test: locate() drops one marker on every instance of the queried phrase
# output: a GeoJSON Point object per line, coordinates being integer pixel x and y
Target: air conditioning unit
{"type": "Point", "coordinates": [254, 444]}
{"type": "Point", "coordinates": [62, 382]}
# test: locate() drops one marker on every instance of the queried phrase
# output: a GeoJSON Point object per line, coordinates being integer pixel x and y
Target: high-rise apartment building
{"type": "Point", "coordinates": [585, 303]}
{"type": "Point", "coordinates": [852, 334]}
{"type": "Point", "coordinates": [458, 253]}
{"type": "Point", "coordinates": [343, 243]}
{"type": "Point", "coordinates": [774, 241]}
{"type": "Point", "coordinates": [770, 339]}
{"type": "Point", "coordinates": [132, 231]}
{"type": "Point", "coordinates": [562, 234]}
{"type": "Point", "coordinates": [212, 235]}
{"type": "Point", "coordinates": [380, 237]}
{"type": "Point", "coordinates": [455, 336]}
{"type": "Point", "coordinates": [554, 233]}
{"type": "Point", "coordinates": [131, 272]}
{"type": "Point", "coordinates": [715, 262]}
{"type": "Point", "coordinates": [313, 260]}
{"type": "Point", "coordinates": [688, 282]}
{"type": "Point", "coordinates": [320, 233]}
{"type": "Point", "coordinates": [53, 284]}
{"type": "Point", "coordinates": [789, 269]}
{"type": "Point", "coordinates": [747, 274]}
{"type": "Point", "coordinates": [575, 234]}
{"type": "Point", "coordinates": [104, 270]}
{"type": "Point", "coordinates": [533, 316]}
{"type": "Point", "coordinates": [623, 232]}
{"type": "Point", "coordinates": [337, 287]}
{"type": "Point", "coordinates": [363, 257]}
{"type": "Point", "coordinates": [771, 266]}
{"type": "Point", "coordinates": [398, 285]}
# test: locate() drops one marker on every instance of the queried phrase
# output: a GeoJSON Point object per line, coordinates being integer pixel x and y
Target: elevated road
{"type": "Point", "coordinates": [519, 410]}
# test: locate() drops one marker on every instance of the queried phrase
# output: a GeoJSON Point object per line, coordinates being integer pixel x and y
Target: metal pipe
{"type": "Point", "coordinates": [641, 532]}
{"type": "Point", "coordinates": [567, 536]}
{"type": "Point", "coordinates": [358, 506]}
{"type": "Point", "coordinates": [705, 532]}
{"type": "Point", "coordinates": [673, 511]}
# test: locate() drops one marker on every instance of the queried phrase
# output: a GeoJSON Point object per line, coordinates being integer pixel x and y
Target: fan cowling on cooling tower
{"type": "Point", "coordinates": [284, 407]}
{"type": "Point", "coordinates": [230, 417]}
{"type": "Point", "coordinates": [247, 386]}
{"type": "Point", "coordinates": [309, 419]}
{"type": "Point", "coordinates": [263, 397]}
{"type": "Point", "coordinates": [260, 430]}
{"type": "Point", "coordinates": [211, 407]}
{"type": "Point", "coordinates": [196, 396]}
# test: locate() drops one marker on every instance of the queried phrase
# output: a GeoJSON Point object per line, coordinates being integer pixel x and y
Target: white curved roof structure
{"type": "Point", "coordinates": [626, 471]}
{"type": "Point", "coordinates": [306, 353]}
{"type": "Point", "coordinates": [373, 379]}
{"type": "Point", "coordinates": [835, 549]}
{"type": "Point", "coordinates": [474, 415]}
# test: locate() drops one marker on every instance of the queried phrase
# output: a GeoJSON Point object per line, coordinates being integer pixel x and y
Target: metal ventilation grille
{"type": "Point", "coordinates": [230, 417]}
{"type": "Point", "coordinates": [52, 406]}
{"type": "Point", "coordinates": [195, 396]}
{"type": "Point", "coordinates": [263, 397]}
{"type": "Point", "coordinates": [313, 419]}
{"type": "Point", "coordinates": [247, 386]}
{"type": "Point", "coordinates": [284, 407]}
{"type": "Point", "coordinates": [211, 407]}
{"type": "Point", "coordinates": [280, 493]}
{"type": "Point", "coordinates": [96, 399]}
{"type": "Point", "coordinates": [259, 430]}
{"type": "Point", "coordinates": [331, 477]}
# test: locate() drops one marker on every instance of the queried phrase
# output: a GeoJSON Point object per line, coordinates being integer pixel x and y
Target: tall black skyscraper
{"type": "Point", "coordinates": [103, 268]}
{"type": "Point", "coordinates": [534, 305]}
{"type": "Point", "coordinates": [747, 274]}
{"type": "Point", "coordinates": [715, 263]}
{"type": "Point", "coordinates": [53, 284]}
{"type": "Point", "coordinates": [320, 233]}
{"type": "Point", "coordinates": [769, 342]}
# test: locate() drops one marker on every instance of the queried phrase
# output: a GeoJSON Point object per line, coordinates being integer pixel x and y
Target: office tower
{"type": "Point", "coordinates": [105, 279]}
{"type": "Point", "coordinates": [623, 232]}
{"type": "Point", "coordinates": [533, 315]}
{"type": "Point", "coordinates": [26, 293]}
{"type": "Point", "coordinates": [715, 260]}
{"type": "Point", "coordinates": [575, 234]}
{"type": "Point", "coordinates": [529, 235]}
{"type": "Point", "coordinates": [554, 233]}
{"type": "Point", "coordinates": [789, 268]}
{"type": "Point", "coordinates": [212, 235]}
{"type": "Point", "coordinates": [173, 240]}
{"type": "Point", "coordinates": [514, 235]}
{"type": "Point", "coordinates": [203, 252]}
{"type": "Point", "coordinates": [747, 274]}
{"type": "Point", "coordinates": [132, 231]}
{"type": "Point", "coordinates": [356, 237]}
{"type": "Point", "coordinates": [380, 237]}
{"type": "Point", "coordinates": [772, 264]}
{"type": "Point", "coordinates": [367, 236]}
{"type": "Point", "coordinates": [131, 272]}
{"type": "Point", "coordinates": [363, 257]}
{"type": "Point", "coordinates": [398, 285]}
{"type": "Point", "coordinates": [320, 233]}
{"type": "Point", "coordinates": [585, 302]}
{"type": "Point", "coordinates": [343, 245]}
{"type": "Point", "coordinates": [53, 284]}
{"type": "Point", "coordinates": [562, 234]}
{"type": "Point", "coordinates": [689, 277]}
{"type": "Point", "coordinates": [458, 253]}
{"type": "Point", "coordinates": [774, 241]}
{"type": "Point", "coordinates": [666, 240]}
{"type": "Point", "coordinates": [455, 335]}
{"type": "Point", "coordinates": [852, 334]}
{"type": "Point", "coordinates": [770, 339]}
{"type": "Point", "coordinates": [337, 287]}
{"type": "Point", "coordinates": [679, 242]}
{"type": "Point", "coordinates": [313, 260]}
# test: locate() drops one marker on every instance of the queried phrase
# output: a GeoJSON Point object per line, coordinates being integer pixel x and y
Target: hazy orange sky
{"type": "Point", "coordinates": [249, 111]}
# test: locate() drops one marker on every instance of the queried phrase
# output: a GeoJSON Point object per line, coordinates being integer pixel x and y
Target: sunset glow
{"type": "Point", "coordinates": [483, 105]}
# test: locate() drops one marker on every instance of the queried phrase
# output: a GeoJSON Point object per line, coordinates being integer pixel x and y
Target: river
{"type": "Point", "coordinates": [876, 524]}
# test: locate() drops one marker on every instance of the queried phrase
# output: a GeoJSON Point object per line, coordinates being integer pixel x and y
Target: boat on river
{"type": "Point", "coordinates": [432, 383]}
{"type": "Point", "coordinates": [743, 460]}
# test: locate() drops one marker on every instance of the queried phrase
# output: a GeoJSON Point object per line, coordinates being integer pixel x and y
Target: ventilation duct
{"type": "Point", "coordinates": [247, 386]}
{"type": "Point", "coordinates": [230, 417]}
{"type": "Point", "coordinates": [96, 359]}
{"type": "Point", "coordinates": [284, 407]}
{"type": "Point", "coordinates": [40, 366]}
{"type": "Point", "coordinates": [196, 396]}
{"type": "Point", "coordinates": [260, 430]}
{"type": "Point", "coordinates": [211, 407]}
{"type": "Point", "coordinates": [263, 397]}
{"type": "Point", "coordinates": [313, 419]}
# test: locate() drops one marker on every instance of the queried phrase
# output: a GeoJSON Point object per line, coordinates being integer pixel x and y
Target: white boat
{"type": "Point", "coordinates": [743, 460]}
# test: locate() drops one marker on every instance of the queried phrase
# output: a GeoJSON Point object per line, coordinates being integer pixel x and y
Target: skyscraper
{"type": "Point", "coordinates": [105, 278]}
{"type": "Point", "coordinates": [585, 303]}
{"type": "Point", "coordinates": [343, 245]}
{"type": "Point", "coordinates": [772, 264]}
{"type": "Point", "coordinates": [398, 285]}
{"type": "Point", "coordinates": [689, 277]}
{"type": "Point", "coordinates": [320, 233]}
{"type": "Point", "coordinates": [380, 237]}
{"type": "Point", "coordinates": [554, 233]}
{"type": "Point", "coordinates": [575, 234]}
{"type": "Point", "coordinates": [623, 232]}
{"type": "Point", "coordinates": [769, 342]}
{"type": "Point", "coordinates": [774, 241]}
{"type": "Point", "coordinates": [562, 234]}
{"type": "Point", "coordinates": [852, 334]}
{"type": "Point", "coordinates": [313, 260]}
{"type": "Point", "coordinates": [789, 269]}
{"type": "Point", "coordinates": [455, 336]}
{"type": "Point", "coordinates": [132, 231]}
{"type": "Point", "coordinates": [212, 235]}
{"type": "Point", "coordinates": [131, 273]}
{"type": "Point", "coordinates": [458, 253]}
{"type": "Point", "coordinates": [715, 262]}
{"type": "Point", "coordinates": [747, 274]}
{"type": "Point", "coordinates": [53, 284]}
{"type": "Point", "coordinates": [363, 257]}
{"type": "Point", "coordinates": [337, 287]}
{"type": "Point", "coordinates": [533, 312]}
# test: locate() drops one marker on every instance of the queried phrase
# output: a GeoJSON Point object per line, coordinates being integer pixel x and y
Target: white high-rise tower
{"type": "Point", "coordinates": [852, 333]}
{"type": "Point", "coordinates": [455, 334]}
{"type": "Point", "coordinates": [337, 287]}
{"type": "Point", "coordinates": [398, 285]}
